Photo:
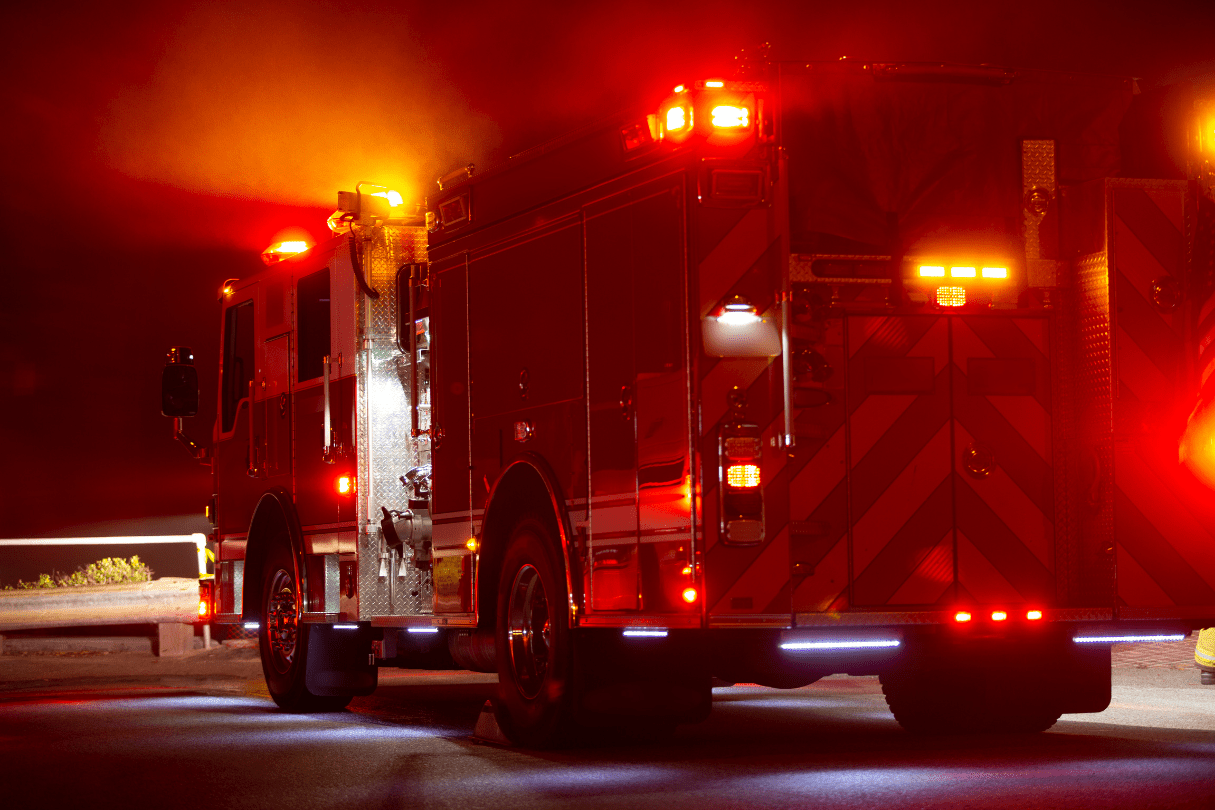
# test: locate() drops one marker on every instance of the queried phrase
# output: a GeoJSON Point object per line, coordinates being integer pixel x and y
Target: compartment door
{"type": "Point", "coordinates": [1004, 481]}
{"type": "Point", "coordinates": [901, 504]}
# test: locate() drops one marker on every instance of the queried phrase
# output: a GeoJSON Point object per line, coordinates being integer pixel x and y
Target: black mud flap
{"type": "Point", "coordinates": [1084, 678]}
{"type": "Point", "coordinates": [337, 663]}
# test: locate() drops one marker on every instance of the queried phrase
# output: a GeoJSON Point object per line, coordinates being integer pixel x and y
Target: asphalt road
{"type": "Point", "coordinates": [103, 732]}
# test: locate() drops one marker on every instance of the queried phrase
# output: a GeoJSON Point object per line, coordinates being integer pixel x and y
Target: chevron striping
{"type": "Point", "coordinates": [1143, 325]}
{"type": "Point", "coordinates": [755, 581]}
{"type": "Point", "coordinates": [1148, 547]}
{"type": "Point", "coordinates": [931, 579]}
{"type": "Point", "coordinates": [993, 538]}
{"type": "Point", "coordinates": [1136, 587]}
{"type": "Point", "coordinates": [1138, 373]}
{"type": "Point", "coordinates": [878, 581]}
{"type": "Point", "coordinates": [1158, 233]}
{"type": "Point", "coordinates": [977, 575]}
{"type": "Point", "coordinates": [1015, 509]}
{"type": "Point", "coordinates": [915, 481]}
{"type": "Point", "coordinates": [1155, 500]}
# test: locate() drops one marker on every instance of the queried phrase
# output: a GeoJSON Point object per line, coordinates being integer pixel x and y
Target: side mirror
{"type": "Point", "coordinates": [179, 384]}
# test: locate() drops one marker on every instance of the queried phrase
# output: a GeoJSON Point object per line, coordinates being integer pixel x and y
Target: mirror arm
{"type": "Point", "coordinates": [196, 450]}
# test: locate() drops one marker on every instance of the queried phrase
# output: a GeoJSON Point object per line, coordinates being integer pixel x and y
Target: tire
{"type": "Point", "coordinates": [283, 638]}
{"type": "Point", "coordinates": [963, 702]}
{"type": "Point", "coordinates": [534, 645]}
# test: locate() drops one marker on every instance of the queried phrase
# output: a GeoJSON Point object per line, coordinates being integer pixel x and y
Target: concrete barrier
{"type": "Point", "coordinates": [171, 603]}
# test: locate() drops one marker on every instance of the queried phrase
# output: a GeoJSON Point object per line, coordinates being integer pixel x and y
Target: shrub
{"type": "Point", "coordinates": [110, 571]}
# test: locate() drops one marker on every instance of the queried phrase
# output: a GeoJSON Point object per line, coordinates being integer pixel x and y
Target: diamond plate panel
{"type": "Point", "coordinates": [388, 584]}
{"type": "Point", "coordinates": [1039, 189]}
{"type": "Point", "coordinates": [1092, 559]}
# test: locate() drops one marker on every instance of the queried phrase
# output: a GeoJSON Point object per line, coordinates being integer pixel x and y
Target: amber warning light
{"type": "Point", "coordinates": [283, 250]}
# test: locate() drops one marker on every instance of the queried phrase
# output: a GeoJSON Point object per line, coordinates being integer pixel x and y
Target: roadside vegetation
{"type": "Point", "coordinates": [109, 571]}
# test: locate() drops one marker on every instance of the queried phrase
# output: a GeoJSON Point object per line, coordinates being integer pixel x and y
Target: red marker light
{"type": "Point", "coordinates": [962, 616]}
{"type": "Point", "coordinates": [345, 484]}
{"type": "Point", "coordinates": [999, 615]}
{"type": "Point", "coordinates": [1033, 615]}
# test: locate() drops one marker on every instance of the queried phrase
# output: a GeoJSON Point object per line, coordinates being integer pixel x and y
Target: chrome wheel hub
{"type": "Point", "coordinates": [282, 620]}
{"type": "Point", "coordinates": [529, 631]}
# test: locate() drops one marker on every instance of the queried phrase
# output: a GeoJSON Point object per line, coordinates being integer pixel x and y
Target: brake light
{"type": "Point", "coordinates": [743, 476]}
{"type": "Point", "coordinates": [730, 117]}
{"type": "Point", "coordinates": [962, 616]}
{"type": "Point", "coordinates": [999, 615]}
{"type": "Point", "coordinates": [1033, 615]}
{"type": "Point", "coordinates": [951, 296]}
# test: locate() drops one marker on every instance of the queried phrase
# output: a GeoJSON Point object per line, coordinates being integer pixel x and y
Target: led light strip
{"type": "Point", "coordinates": [1112, 639]}
{"type": "Point", "coordinates": [646, 633]}
{"type": "Point", "coordinates": [345, 627]}
{"type": "Point", "coordinates": [421, 630]}
{"type": "Point", "coordinates": [838, 645]}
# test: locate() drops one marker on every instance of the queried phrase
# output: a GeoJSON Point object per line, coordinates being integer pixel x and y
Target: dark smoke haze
{"type": "Point", "coordinates": [151, 150]}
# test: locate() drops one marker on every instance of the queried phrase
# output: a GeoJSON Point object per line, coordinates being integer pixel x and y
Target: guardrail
{"type": "Point", "coordinates": [171, 603]}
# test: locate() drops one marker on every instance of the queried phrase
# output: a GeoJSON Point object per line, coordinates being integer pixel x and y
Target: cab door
{"type": "Point", "coordinates": [272, 388]}
{"type": "Point", "coordinates": [235, 429]}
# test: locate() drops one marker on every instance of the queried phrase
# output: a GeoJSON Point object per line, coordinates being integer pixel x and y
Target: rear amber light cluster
{"type": "Point", "coordinates": [741, 476]}
{"type": "Point", "coordinates": [205, 601]}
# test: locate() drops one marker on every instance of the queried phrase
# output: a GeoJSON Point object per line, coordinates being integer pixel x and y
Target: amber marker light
{"type": "Point", "coordinates": [743, 476]}
{"type": "Point", "coordinates": [1033, 615]}
{"type": "Point", "coordinates": [471, 544]}
{"type": "Point", "coordinates": [951, 296]}
{"type": "Point", "coordinates": [690, 595]}
{"type": "Point", "coordinates": [726, 116]}
{"type": "Point", "coordinates": [962, 272]}
{"type": "Point", "coordinates": [283, 250]}
{"type": "Point", "coordinates": [715, 83]}
{"type": "Point", "coordinates": [962, 616]}
{"type": "Point", "coordinates": [999, 615]}
{"type": "Point", "coordinates": [995, 272]}
{"type": "Point", "coordinates": [932, 271]}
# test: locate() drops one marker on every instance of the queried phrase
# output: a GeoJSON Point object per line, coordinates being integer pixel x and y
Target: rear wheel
{"type": "Point", "coordinates": [534, 643]}
{"type": "Point", "coordinates": [283, 638]}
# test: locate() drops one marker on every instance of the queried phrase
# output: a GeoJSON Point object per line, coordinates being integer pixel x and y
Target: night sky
{"type": "Point", "coordinates": [152, 150]}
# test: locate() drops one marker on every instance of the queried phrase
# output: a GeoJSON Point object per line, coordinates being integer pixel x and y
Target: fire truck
{"type": "Point", "coordinates": [877, 369]}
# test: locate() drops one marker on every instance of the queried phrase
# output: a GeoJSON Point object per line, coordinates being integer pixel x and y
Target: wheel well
{"type": "Point", "coordinates": [274, 521]}
{"type": "Point", "coordinates": [523, 489]}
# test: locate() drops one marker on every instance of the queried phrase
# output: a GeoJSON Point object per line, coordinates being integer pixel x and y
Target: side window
{"type": "Point", "coordinates": [238, 359]}
{"type": "Point", "coordinates": [312, 330]}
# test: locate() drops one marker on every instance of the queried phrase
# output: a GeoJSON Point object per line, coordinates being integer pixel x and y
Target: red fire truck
{"type": "Point", "coordinates": [830, 368]}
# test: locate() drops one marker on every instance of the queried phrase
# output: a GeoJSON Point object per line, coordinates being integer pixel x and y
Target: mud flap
{"type": "Point", "coordinates": [627, 681]}
{"type": "Point", "coordinates": [337, 663]}
{"type": "Point", "coordinates": [1083, 678]}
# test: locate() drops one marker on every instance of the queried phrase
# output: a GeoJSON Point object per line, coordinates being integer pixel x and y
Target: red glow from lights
{"type": "Point", "coordinates": [962, 616]}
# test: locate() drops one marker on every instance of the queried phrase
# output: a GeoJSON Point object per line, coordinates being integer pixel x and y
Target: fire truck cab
{"type": "Point", "coordinates": [830, 368]}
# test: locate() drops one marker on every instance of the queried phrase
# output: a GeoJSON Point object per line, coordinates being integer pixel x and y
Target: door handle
{"type": "Point", "coordinates": [254, 470]}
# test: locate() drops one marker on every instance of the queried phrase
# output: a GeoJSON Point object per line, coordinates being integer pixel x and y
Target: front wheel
{"type": "Point", "coordinates": [283, 639]}
{"type": "Point", "coordinates": [533, 641]}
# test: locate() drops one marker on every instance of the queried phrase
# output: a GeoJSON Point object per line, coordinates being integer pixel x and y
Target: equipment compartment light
{"type": "Point", "coordinates": [962, 272]}
{"type": "Point", "coordinates": [951, 296]}
{"type": "Point", "coordinates": [727, 116]}
{"type": "Point", "coordinates": [738, 311]}
{"type": "Point", "coordinates": [995, 272]}
{"type": "Point", "coordinates": [932, 271]}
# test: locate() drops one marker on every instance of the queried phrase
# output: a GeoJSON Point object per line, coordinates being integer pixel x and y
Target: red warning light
{"type": "Point", "coordinates": [345, 485]}
{"type": "Point", "coordinates": [999, 615]}
{"type": "Point", "coordinates": [962, 616]}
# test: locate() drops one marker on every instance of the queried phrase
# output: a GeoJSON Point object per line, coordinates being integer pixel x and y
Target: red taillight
{"type": "Point", "coordinates": [999, 615]}
{"type": "Point", "coordinates": [743, 476]}
{"type": "Point", "coordinates": [962, 616]}
{"type": "Point", "coordinates": [1033, 615]}
{"type": "Point", "coordinates": [204, 601]}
